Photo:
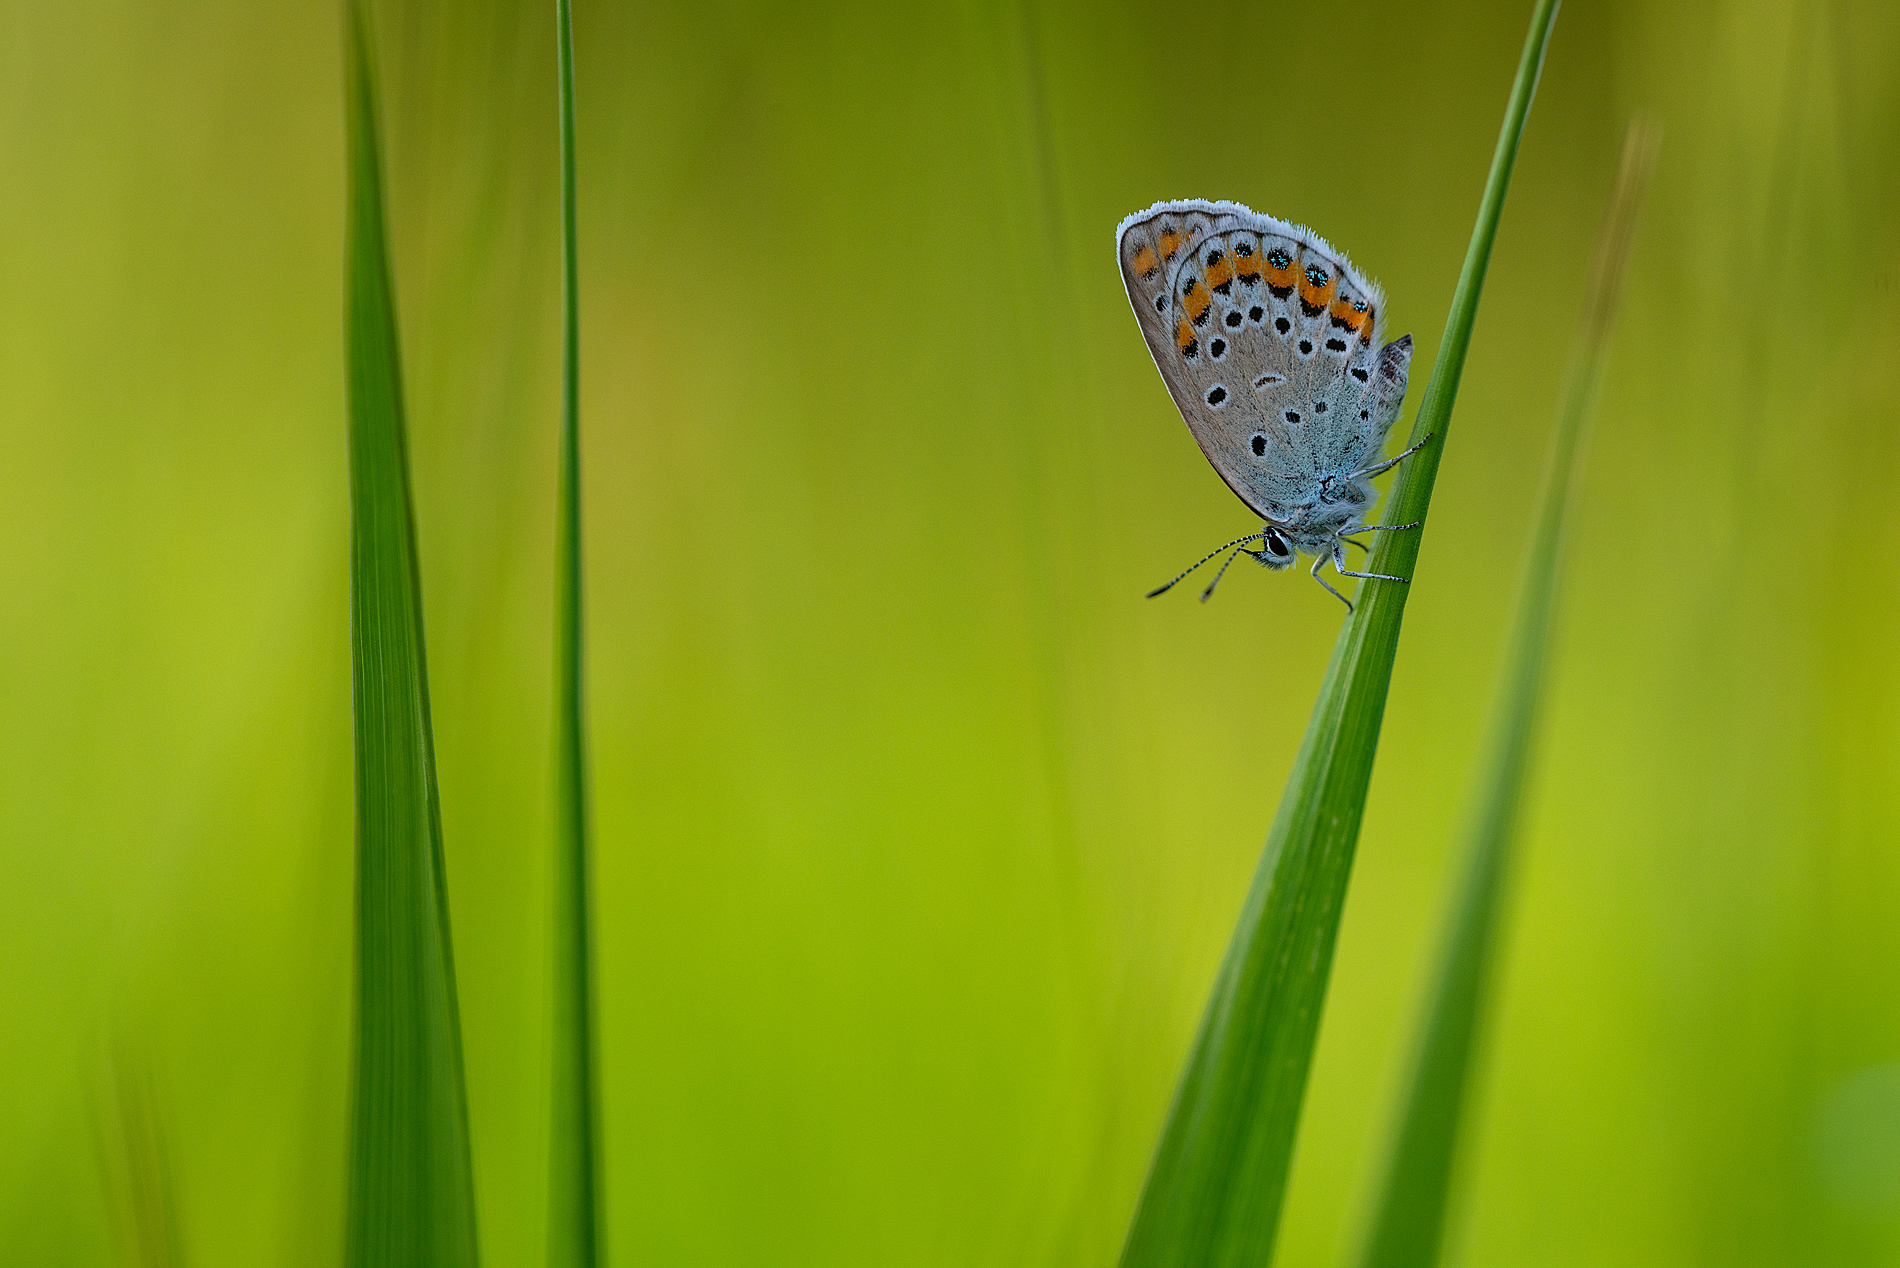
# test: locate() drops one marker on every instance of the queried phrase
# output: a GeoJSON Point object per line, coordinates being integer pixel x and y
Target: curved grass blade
{"type": "Point", "coordinates": [1215, 1186]}
{"type": "Point", "coordinates": [1406, 1228]}
{"type": "Point", "coordinates": [411, 1192]}
{"type": "Point", "coordinates": [573, 1162]}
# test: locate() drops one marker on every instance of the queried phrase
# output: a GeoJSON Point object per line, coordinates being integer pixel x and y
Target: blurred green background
{"type": "Point", "coordinates": [919, 831]}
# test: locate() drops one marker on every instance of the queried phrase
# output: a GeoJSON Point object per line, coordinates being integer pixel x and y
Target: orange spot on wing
{"type": "Point", "coordinates": [1146, 262]}
{"type": "Point", "coordinates": [1343, 314]}
{"type": "Point", "coordinates": [1170, 243]}
{"type": "Point", "coordinates": [1317, 296]}
{"type": "Point", "coordinates": [1196, 302]}
{"type": "Point", "coordinates": [1220, 274]}
{"type": "Point", "coordinates": [1281, 279]}
{"type": "Point", "coordinates": [1248, 267]}
{"type": "Point", "coordinates": [1184, 334]}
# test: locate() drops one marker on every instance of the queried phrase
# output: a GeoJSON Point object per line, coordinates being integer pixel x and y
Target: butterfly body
{"type": "Point", "coordinates": [1268, 340]}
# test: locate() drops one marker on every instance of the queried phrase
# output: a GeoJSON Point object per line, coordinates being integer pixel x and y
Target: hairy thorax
{"type": "Point", "coordinates": [1334, 503]}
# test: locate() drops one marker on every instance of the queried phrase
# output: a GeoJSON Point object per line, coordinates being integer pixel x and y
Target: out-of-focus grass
{"type": "Point", "coordinates": [1407, 1222]}
{"type": "Point", "coordinates": [1214, 1191]}
{"type": "Point", "coordinates": [411, 1186]}
{"type": "Point", "coordinates": [574, 1148]}
{"type": "Point", "coordinates": [137, 1166]}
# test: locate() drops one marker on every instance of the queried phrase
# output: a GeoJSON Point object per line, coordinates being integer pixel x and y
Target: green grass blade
{"type": "Point", "coordinates": [1215, 1186]}
{"type": "Point", "coordinates": [411, 1192]}
{"type": "Point", "coordinates": [1407, 1223]}
{"type": "Point", "coordinates": [573, 1181]}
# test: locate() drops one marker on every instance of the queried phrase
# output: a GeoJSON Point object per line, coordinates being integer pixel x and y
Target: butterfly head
{"type": "Point", "coordinates": [1276, 548]}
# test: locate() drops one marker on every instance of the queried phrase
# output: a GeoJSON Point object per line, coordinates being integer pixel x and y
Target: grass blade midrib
{"type": "Point", "coordinates": [574, 1239]}
{"type": "Point", "coordinates": [1214, 1190]}
{"type": "Point", "coordinates": [1406, 1227]}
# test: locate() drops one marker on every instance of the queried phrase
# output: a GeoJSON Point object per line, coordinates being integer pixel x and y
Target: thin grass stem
{"type": "Point", "coordinates": [1406, 1225]}
{"type": "Point", "coordinates": [574, 1234]}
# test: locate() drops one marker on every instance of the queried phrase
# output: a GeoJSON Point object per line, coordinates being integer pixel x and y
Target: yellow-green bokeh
{"type": "Point", "coordinates": [919, 831]}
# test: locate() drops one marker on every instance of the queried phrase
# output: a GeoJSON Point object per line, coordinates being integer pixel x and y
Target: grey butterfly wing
{"type": "Point", "coordinates": [1264, 336]}
{"type": "Point", "coordinates": [1387, 395]}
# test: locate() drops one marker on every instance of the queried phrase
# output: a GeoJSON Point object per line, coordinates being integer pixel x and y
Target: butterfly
{"type": "Point", "coordinates": [1268, 341]}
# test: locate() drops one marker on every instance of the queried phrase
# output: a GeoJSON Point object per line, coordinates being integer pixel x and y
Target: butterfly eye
{"type": "Point", "coordinates": [1278, 547]}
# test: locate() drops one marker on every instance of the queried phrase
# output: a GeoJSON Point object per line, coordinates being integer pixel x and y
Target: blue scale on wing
{"type": "Point", "coordinates": [1278, 385]}
{"type": "Point", "coordinates": [1318, 377]}
{"type": "Point", "coordinates": [1260, 365]}
{"type": "Point", "coordinates": [1355, 434]}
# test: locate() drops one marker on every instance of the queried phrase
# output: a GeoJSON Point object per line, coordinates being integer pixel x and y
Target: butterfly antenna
{"type": "Point", "coordinates": [1237, 541]}
{"type": "Point", "coordinates": [1209, 592]}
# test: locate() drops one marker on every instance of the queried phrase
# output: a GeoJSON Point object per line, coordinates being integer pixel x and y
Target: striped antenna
{"type": "Point", "coordinates": [1237, 541]}
{"type": "Point", "coordinates": [1209, 592]}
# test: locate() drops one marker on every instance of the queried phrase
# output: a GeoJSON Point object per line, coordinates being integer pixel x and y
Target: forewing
{"type": "Point", "coordinates": [1264, 336]}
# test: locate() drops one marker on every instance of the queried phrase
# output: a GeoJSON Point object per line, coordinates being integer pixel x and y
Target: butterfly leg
{"type": "Point", "coordinates": [1350, 533]}
{"type": "Point", "coordinates": [1390, 463]}
{"type": "Point", "coordinates": [1339, 565]}
{"type": "Point", "coordinates": [1375, 576]}
{"type": "Point", "coordinates": [1329, 590]}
